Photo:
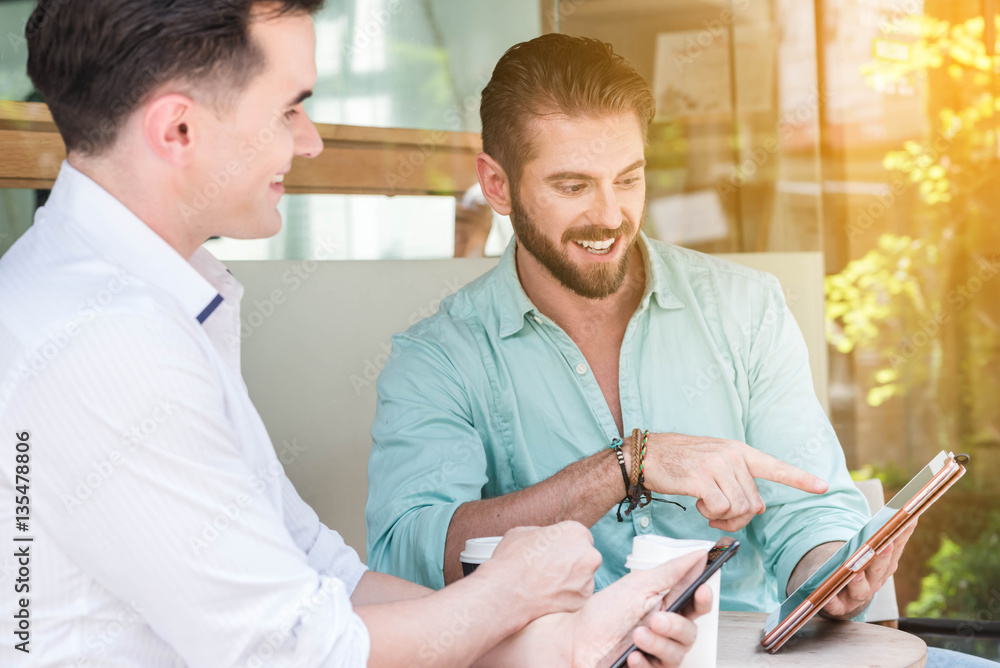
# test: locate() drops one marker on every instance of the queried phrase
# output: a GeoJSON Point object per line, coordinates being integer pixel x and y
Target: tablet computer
{"type": "Point", "coordinates": [855, 555]}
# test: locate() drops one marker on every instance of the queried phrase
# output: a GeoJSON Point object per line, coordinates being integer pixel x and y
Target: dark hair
{"type": "Point", "coordinates": [577, 76]}
{"type": "Point", "coordinates": [96, 61]}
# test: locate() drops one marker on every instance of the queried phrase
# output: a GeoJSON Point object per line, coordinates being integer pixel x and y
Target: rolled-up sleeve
{"type": "Point", "coordinates": [176, 522]}
{"type": "Point", "coordinates": [427, 459]}
{"type": "Point", "coordinates": [786, 420]}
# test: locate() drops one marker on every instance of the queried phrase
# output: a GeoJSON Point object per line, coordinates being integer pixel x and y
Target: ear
{"type": "Point", "coordinates": [496, 186]}
{"type": "Point", "coordinates": [169, 129]}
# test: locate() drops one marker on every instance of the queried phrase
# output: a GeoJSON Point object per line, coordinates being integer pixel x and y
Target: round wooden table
{"type": "Point", "coordinates": [819, 644]}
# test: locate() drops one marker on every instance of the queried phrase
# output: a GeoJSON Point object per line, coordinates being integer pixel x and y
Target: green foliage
{"type": "Point", "coordinates": [964, 578]}
{"type": "Point", "coordinates": [887, 287]}
{"type": "Point", "coordinates": [892, 476]}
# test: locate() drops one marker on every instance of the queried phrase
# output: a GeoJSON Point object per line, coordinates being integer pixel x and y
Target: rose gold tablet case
{"type": "Point", "coordinates": [859, 560]}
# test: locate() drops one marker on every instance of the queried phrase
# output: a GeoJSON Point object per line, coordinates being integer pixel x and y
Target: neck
{"type": "Point", "coordinates": [573, 312]}
{"type": "Point", "coordinates": [153, 204]}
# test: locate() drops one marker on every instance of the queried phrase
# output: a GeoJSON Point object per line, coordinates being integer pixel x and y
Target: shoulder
{"type": "Point", "coordinates": [712, 280]}
{"type": "Point", "coordinates": [64, 310]}
{"type": "Point", "coordinates": [459, 316]}
{"type": "Point", "coordinates": [693, 263]}
{"type": "Point", "coordinates": [445, 347]}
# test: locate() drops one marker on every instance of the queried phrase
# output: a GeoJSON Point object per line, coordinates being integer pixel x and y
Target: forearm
{"type": "Point", "coordinates": [810, 563]}
{"type": "Point", "coordinates": [451, 627]}
{"type": "Point", "coordinates": [583, 491]}
{"type": "Point", "coordinates": [547, 641]}
{"type": "Point", "coordinates": [377, 588]}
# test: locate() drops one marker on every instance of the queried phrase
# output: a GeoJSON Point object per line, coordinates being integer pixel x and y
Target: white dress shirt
{"type": "Point", "coordinates": [164, 531]}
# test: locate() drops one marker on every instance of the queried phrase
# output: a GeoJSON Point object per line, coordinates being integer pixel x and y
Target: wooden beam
{"type": "Point", "coordinates": [356, 160]}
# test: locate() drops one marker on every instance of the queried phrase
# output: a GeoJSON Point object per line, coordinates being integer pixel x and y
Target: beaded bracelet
{"type": "Point", "coordinates": [637, 495]}
{"type": "Point", "coordinates": [617, 445]}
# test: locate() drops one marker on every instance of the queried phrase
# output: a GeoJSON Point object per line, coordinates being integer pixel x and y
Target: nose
{"type": "Point", "coordinates": [308, 143]}
{"type": "Point", "coordinates": [606, 211]}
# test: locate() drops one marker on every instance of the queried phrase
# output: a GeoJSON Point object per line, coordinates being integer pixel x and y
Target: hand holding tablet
{"type": "Point", "coordinates": [877, 546]}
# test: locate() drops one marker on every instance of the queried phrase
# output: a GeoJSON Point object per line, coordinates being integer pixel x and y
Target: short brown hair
{"type": "Point", "coordinates": [95, 61]}
{"type": "Point", "coordinates": [577, 76]}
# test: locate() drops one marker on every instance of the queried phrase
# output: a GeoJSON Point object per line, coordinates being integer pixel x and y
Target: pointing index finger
{"type": "Point", "coordinates": [763, 465]}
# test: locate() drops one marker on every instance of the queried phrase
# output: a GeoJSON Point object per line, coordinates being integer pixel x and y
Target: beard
{"type": "Point", "coordinates": [595, 282]}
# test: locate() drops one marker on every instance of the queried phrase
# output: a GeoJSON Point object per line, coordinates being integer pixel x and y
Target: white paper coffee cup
{"type": "Point", "coordinates": [478, 551]}
{"type": "Point", "coordinates": [651, 551]}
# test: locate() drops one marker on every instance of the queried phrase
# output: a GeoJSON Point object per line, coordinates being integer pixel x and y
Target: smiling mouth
{"type": "Point", "coordinates": [597, 247]}
{"type": "Point", "coordinates": [277, 179]}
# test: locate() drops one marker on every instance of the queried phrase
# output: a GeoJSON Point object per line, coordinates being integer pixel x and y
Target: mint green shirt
{"type": "Point", "coordinates": [489, 396]}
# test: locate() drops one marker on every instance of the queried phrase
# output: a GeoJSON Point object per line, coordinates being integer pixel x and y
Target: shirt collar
{"type": "Point", "coordinates": [514, 304]}
{"type": "Point", "coordinates": [123, 238]}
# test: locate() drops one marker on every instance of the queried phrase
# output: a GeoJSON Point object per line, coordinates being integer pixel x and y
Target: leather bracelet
{"type": "Point", "coordinates": [634, 477]}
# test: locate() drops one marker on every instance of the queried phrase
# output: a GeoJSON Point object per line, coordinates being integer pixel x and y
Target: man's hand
{"type": "Point", "coordinates": [720, 474]}
{"type": "Point", "coordinates": [858, 594]}
{"type": "Point", "coordinates": [551, 569]}
{"type": "Point", "coordinates": [611, 614]}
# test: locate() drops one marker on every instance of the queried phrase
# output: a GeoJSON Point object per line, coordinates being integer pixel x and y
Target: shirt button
{"type": "Point", "coordinates": [581, 369]}
{"type": "Point", "coordinates": [536, 319]}
{"type": "Point", "coordinates": [644, 522]}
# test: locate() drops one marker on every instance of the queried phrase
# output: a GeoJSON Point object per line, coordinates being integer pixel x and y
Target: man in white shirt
{"type": "Point", "coordinates": [150, 521]}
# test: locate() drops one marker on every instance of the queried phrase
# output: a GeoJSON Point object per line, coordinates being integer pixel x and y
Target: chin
{"type": "Point", "coordinates": [268, 226]}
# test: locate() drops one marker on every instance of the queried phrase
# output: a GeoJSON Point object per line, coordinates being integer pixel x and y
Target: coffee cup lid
{"type": "Point", "coordinates": [479, 550]}
{"type": "Point", "coordinates": [650, 551]}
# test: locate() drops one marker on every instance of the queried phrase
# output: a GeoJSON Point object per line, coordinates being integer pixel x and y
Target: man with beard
{"type": "Point", "coordinates": [186, 544]}
{"type": "Point", "coordinates": [586, 331]}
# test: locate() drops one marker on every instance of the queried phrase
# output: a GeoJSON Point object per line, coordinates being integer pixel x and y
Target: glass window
{"type": "Point", "coordinates": [733, 155]}
{"type": "Point", "coordinates": [16, 206]}
{"type": "Point", "coordinates": [395, 64]}
{"type": "Point", "coordinates": [910, 160]}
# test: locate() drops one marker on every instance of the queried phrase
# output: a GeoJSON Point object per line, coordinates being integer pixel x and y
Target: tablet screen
{"type": "Point", "coordinates": [880, 519]}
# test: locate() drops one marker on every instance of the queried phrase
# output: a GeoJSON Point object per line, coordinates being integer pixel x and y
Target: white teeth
{"type": "Point", "coordinates": [280, 178]}
{"type": "Point", "coordinates": [597, 246]}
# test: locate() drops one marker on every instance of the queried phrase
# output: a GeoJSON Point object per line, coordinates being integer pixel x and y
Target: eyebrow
{"type": "Point", "coordinates": [304, 95]}
{"type": "Point", "coordinates": [577, 176]}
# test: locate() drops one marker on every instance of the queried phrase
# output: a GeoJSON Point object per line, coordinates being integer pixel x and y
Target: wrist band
{"type": "Point", "coordinates": [634, 477]}
{"type": "Point", "coordinates": [635, 491]}
{"type": "Point", "coordinates": [617, 445]}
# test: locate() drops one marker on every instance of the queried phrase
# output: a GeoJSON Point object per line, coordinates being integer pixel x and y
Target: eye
{"type": "Point", "coordinates": [573, 188]}
{"type": "Point", "coordinates": [290, 114]}
{"type": "Point", "coordinates": [631, 181]}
